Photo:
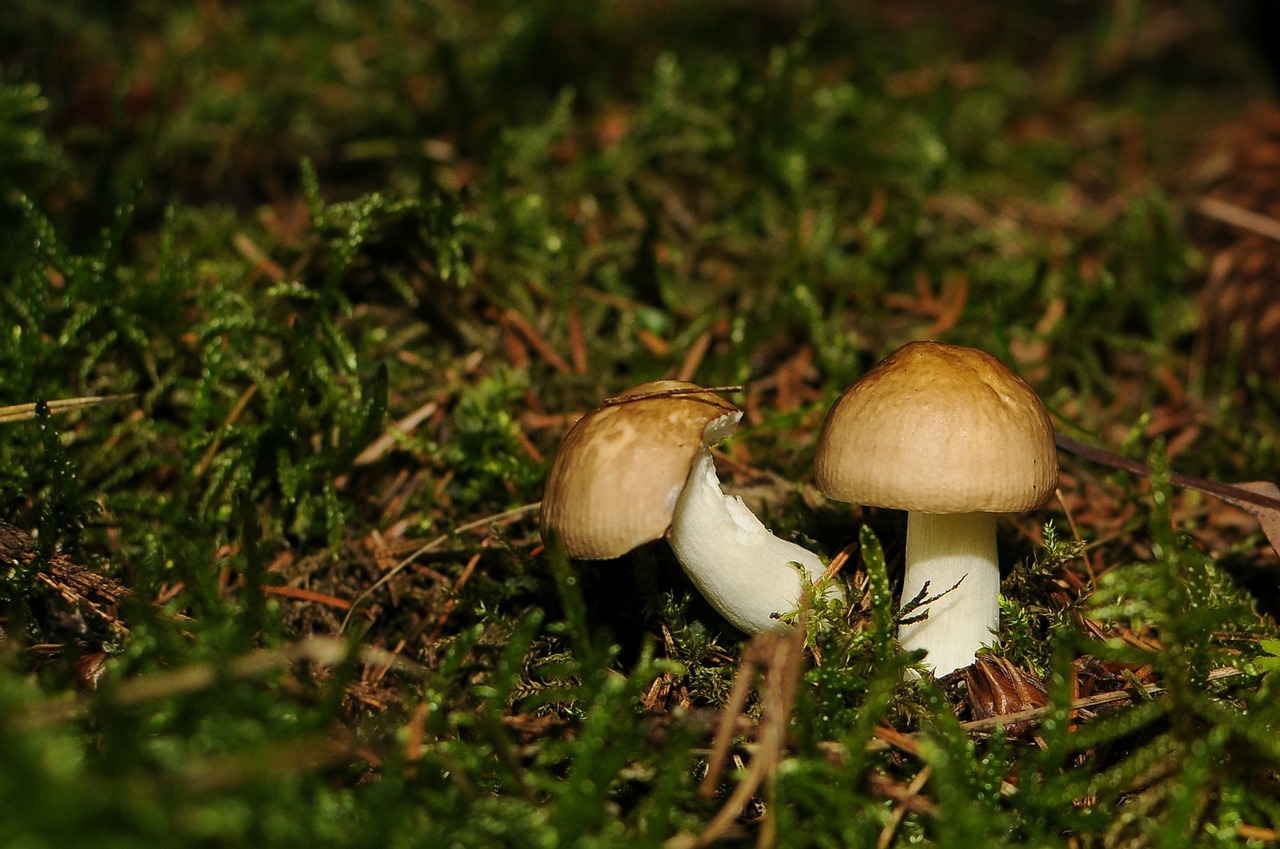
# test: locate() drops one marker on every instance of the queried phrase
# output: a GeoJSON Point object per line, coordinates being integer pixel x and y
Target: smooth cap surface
{"type": "Point", "coordinates": [939, 428]}
{"type": "Point", "coordinates": [617, 475]}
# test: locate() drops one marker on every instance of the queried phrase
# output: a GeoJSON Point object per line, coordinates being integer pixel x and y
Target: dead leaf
{"type": "Point", "coordinates": [1268, 517]}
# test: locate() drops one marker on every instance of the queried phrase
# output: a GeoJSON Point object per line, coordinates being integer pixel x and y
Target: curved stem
{"type": "Point", "coordinates": [749, 575]}
{"type": "Point", "coordinates": [941, 551]}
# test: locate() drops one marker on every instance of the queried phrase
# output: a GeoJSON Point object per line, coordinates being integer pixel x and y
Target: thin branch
{"type": "Point", "coordinates": [1225, 491]}
{"type": "Point", "coordinates": [24, 412]}
{"type": "Point", "coordinates": [1238, 216]}
{"type": "Point", "coordinates": [668, 393]}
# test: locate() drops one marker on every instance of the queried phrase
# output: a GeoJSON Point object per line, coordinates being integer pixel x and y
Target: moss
{"type": "Point", "coordinates": [359, 264]}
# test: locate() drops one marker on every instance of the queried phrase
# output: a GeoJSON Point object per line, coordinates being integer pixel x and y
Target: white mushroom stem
{"type": "Point", "coordinates": [941, 550]}
{"type": "Point", "coordinates": [749, 575]}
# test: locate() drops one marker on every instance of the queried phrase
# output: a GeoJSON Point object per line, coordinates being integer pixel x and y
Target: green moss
{"type": "Point", "coordinates": [292, 230]}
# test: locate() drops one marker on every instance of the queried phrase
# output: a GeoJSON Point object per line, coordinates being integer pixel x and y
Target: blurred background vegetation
{"type": "Point", "coordinates": [360, 265]}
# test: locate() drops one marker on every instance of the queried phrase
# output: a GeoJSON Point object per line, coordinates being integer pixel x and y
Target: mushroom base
{"type": "Point", "coordinates": [941, 551]}
{"type": "Point", "coordinates": [744, 571]}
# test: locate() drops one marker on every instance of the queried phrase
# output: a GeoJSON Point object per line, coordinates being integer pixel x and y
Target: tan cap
{"type": "Point", "coordinates": [939, 428]}
{"type": "Point", "coordinates": [617, 475]}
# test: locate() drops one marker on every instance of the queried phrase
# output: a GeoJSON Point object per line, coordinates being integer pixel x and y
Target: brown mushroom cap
{"type": "Point", "coordinates": [939, 428]}
{"type": "Point", "coordinates": [617, 475]}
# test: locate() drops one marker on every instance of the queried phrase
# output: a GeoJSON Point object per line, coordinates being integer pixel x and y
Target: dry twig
{"type": "Point", "coordinates": [24, 412]}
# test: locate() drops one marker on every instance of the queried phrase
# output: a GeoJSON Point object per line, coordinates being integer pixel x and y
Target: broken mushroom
{"type": "Point", "coordinates": [953, 436]}
{"type": "Point", "coordinates": [639, 467]}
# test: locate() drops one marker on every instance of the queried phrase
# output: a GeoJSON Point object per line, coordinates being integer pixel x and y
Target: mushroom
{"type": "Point", "coordinates": [951, 435]}
{"type": "Point", "coordinates": [639, 467]}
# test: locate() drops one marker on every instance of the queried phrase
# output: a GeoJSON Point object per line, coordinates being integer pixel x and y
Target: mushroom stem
{"type": "Point", "coordinates": [941, 550]}
{"type": "Point", "coordinates": [749, 575]}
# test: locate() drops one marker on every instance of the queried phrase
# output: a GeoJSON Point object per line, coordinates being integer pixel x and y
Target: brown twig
{"type": "Point", "coordinates": [577, 346]}
{"type": "Point", "coordinates": [249, 250]}
{"type": "Point", "coordinates": [1254, 832]}
{"type": "Point", "coordinates": [696, 353]}
{"type": "Point", "coordinates": [978, 726]}
{"type": "Point", "coordinates": [241, 404]}
{"type": "Point", "coordinates": [907, 803]}
{"type": "Point", "coordinates": [886, 738]}
{"type": "Point", "coordinates": [24, 412]}
{"type": "Point", "coordinates": [535, 340]}
{"type": "Point", "coordinates": [652, 342]}
{"type": "Point", "coordinates": [308, 595]}
{"type": "Point", "coordinates": [400, 429]}
{"type": "Point", "coordinates": [1238, 216]}
{"type": "Point", "coordinates": [452, 601]}
{"type": "Point", "coordinates": [1225, 491]}
{"type": "Point", "coordinates": [618, 400]}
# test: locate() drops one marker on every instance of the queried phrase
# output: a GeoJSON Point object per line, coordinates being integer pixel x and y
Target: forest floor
{"type": "Point", "coordinates": [345, 273]}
